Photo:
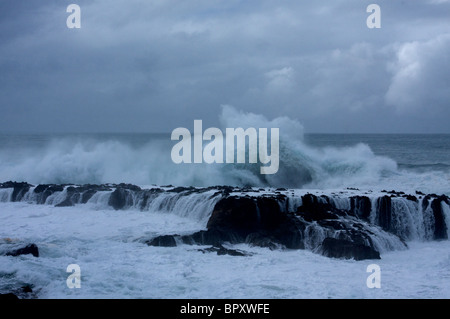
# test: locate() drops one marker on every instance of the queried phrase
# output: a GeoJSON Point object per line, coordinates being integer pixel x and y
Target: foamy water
{"type": "Point", "coordinates": [146, 160]}
{"type": "Point", "coordinates": [116, 264]}
{"type": "Point", "coordinates": [109, 245]}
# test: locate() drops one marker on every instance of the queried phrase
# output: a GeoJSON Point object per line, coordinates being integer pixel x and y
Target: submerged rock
{"type": "Point", "coordinates": [164, 241]}
{"type": "Point", "coordinates": [23, 292]}
{"type": "Point", "coordinates": [220, 250]}
{"type": "Point", "coordinates": [29, 249]}
{"type": "Point", "coordinates": [341, 248]}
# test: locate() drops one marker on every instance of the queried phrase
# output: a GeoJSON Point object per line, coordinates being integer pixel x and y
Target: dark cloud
{"type": "Point", "coordinates": [156, 65]}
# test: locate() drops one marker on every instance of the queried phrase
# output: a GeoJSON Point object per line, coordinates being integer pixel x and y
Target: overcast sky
{"type": "Point", "coordinates": [154, 65]}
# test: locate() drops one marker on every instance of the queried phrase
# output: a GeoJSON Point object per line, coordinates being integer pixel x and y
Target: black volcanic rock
{"type": "Point", "coordinates": [29, 249]}
{"type": "Point", "coordinates": [220, 250]}
{"type": "Point", "coordinates": [341, 248]}
{"type": "Point", "coordinates": [27, 289]}
{"type": "Point", "coordinates": [237, 213]}
{"type": "Point", "coordinates": [289, 232]}
{"type": "Point", "coordinates": [261, 240]}
{"type": "Point", "coordinates": [316, 208]}
{"type": "Point", "coordinates": [256, 221]}
{"type": "Point", "coordinates": [260, 221]}
{"type": "Point", "coordinates": [440, 227]}
{"type": "Point", "coordinates": [72, 197]}
{"type": "Point", "coordinates": [315, 215]}
{"type": "Point", "coordinates": [87, 195]}
{"type": "Point", "coordinates": [384, 216]}
{"type": "Point", "coordinates": [214, 236]}
{"type": "Point", "coordinates": [266, 217]}
{"type": "Point", "coordinates": [410, 197]}
{"type": "Point", "coordinates": [148, 195]}
{"type": "Point", "coordinates": [81, 194]}
{"type": "Point", "coordinates": [49, 187]}
{"type": "Point", "coordinates": [65, 203]}
{"type": "Point", "coordinates": [130, 187]}
{"type": "Point", "coordinates": [164, 241]}
{"type": "Point", "coordinates": [15, 293]}
{"type": "Point", "coordinates": [360, 206]}
{"type": "Point", "coordinates": [20, 189]}
{"type": "Point", "coordinates": [118, 198]}
{"type": "Point", "coordinates": [181, 189]}
{"type": "Point", "coordinates": [46, 190]}
{"type": "Point", "coordinates": [434, 202]}
{"type": "Point", "coordinates": [315, 203]}
{"type": "Point", "coordinates": [425, 202]}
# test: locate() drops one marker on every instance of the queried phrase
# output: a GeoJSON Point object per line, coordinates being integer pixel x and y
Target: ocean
{"type": "Point", "coordinates": [405, 162]}
{"type": "Point", "coordinates": [110, 245]}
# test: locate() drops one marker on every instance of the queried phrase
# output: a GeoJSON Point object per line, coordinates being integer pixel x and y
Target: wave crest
{"type": "Point", "coordinates": [111, 160]}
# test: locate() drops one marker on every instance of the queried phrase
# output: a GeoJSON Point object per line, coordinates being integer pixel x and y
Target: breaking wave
{"type": "Point", "coordinates": [145, 160]}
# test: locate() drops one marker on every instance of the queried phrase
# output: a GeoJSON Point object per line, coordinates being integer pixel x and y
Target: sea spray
{"type": "Point", "coordinates": [144, 159]}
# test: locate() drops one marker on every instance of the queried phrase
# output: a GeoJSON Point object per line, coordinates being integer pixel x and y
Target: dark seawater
{"type": "Point", "coordinates": [410, 151]}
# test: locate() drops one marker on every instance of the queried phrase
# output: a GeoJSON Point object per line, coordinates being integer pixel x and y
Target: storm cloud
{"type": "Point", "coordinates": [152, 66]}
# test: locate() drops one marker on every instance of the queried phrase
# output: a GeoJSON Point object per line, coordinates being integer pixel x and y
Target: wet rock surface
{"type": "Point", "coordinates": [348, 223]}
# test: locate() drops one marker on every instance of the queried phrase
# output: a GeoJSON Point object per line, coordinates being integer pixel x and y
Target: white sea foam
{"type": "Point", "coordinates": [87, 159]}
{"type": "Point", "coordinates": [115, 263]}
